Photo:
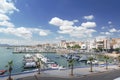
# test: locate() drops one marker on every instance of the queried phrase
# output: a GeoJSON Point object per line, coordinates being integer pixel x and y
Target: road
{"type": "Point", "coordinates": [110, 75]}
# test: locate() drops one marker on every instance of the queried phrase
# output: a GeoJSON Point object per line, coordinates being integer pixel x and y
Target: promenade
{"type": "Point", "coordinates": [59, 74]}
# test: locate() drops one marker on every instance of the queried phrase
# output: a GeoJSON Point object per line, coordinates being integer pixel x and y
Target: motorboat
{"type": "Point", "coordinates": [43, 58]}
{"type": "Point", "coordinates": [53, 66]}
{"type": "Point", "coordinates": [30, 65]}
{"type": "Point", "coordinates": [28, 61]}
{"type": "Point", "coordinates": [83, 58]}
{"type": "Point", "coordinates": [27, 56]}
{"type": "Point", "coordinates": [72, 56]}
{"type": "Point", "coordinates": [2, 72]}
{"type": "Point", "coordinates": [93, 62]}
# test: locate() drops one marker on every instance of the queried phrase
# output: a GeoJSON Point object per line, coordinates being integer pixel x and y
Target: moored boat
{"type": "Point", "coordinates": [2, 72]}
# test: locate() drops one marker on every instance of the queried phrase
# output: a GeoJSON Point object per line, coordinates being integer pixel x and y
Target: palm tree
{"type": "Point", "coordinates": [91, 64]}
{"type": "Point", "coordinates": [9, 65]}
{"type": "Point", "coordinates": [71, 64]}
{"type": "Point", "coordinates": [106, 60]}
{"type": "Point", "coordinates": [39, 65]}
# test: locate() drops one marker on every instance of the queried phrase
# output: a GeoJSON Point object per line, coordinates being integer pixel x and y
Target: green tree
{"type": "Point", "coordinates": [76, 47]}
{"type": "Point", "coordinates": [71, 65]}
{"type": "Point", "coordinates": [68, 47]}
{"type": "Point", "coordinates": [9, 66]}
{"type": "Point", "coordinates": [91, 64]}
{"type": "Point", "coordinates": [117, 49]}
{"type": "Point", "coordinates": [106, 60]}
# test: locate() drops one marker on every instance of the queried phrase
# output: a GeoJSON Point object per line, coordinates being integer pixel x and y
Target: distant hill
{"type": "Point", "coordinates": [2, 45]}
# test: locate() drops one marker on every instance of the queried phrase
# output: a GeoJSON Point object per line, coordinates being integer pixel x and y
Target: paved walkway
{"type": "Point", "coordinates": [78, 72]}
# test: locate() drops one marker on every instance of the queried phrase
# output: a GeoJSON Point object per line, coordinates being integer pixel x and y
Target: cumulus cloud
{"type": "Point", "coordinates": [75, 20]}
{"type": "Point", "coordinates": [112, 30]}
{"type": "Point", "coordinates": [90, 17]}
{"type": "Point", "coordinates": [20, 32]}
{"type": "Point", "coordinates": [23, 32]}
{"type": "Point", "coordinates": [68, 27]}
{"type": "Point", "coordinates": [43, 33]}
{"type": "Point", "coordinates": [106, 33]}
{"type": "Point", "coordinates": [109, 22]}
{"type": "Point", "coordinates": [59, 22]}
{"type": "Point", "coordinates": [89, 24]}
{"type": "Point", "coordinates": [7, 7]}
{"type": "Point", "coordinates": [4, 17]}
{"type": "Point", "coordinates": [6, 24]}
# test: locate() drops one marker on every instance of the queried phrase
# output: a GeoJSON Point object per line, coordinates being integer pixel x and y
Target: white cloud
{"type": "Point", "coordinates": [4, 17]}
{"type": "Point", "coordinates": [90, 17]}
{"type": "Point", "coordinates": [59, 22]}
{"type": "Point", "coordinates": [103, 27]}
{"type": "Point", "coordinates": [89, 24]}
{"type": "Point", "coordinates": [43, 33]}
{"type": "Point", "coordinates": [18, 41]}
{"type": "Point", "coordinates": [6, 24]}
{"type": "Point", "coordinates": [107, 33]}
{"type": "Point", "coordinates": [81, 32]}
{"type": "Point", "coordinates": [56, 21]}
{"type": "Point", "coordinates": [67, 27]}
{"type": "Point", "coordinates": [112, 30]}
{"type": "Point", "coordinates": [75, 20]}
{"type": "Point", "coordinates": [109, 22]}
{"type": "Point", "coordinates": [59, 37]}
{"type": "Point", "coordinates": [20, 32]}
{"type": "Point", "coordinates": [7, 7]}
{"type": "Point", "coordinates": [65, 31]}
{"type": "Point", "coordinates": [23, 32]}
{"type": "Point", "coordinates": [6, 27]}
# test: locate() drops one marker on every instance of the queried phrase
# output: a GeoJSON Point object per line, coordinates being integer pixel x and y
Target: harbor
{"type": "Point", "coordinates": [23, 62]}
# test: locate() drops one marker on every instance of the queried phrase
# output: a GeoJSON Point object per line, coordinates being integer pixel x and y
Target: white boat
{"type": "Point", "coordinates": [28, 61]}
{"type": "Point", "coordinates": [44, 59]}
{"type": "Point", "coordinates": [28, 56]}
{"type": "Point", "coordinates": [29, 64]}
{"type": "Point", "coordinates": [53, 66]}
{"type": "Point", "coordinates": [83, 58]}
{"type": "Point", "coordinates": [93, 62]}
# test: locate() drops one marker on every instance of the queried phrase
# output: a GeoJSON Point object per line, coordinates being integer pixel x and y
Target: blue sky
{"type": "Point", "coordinates": [45, 21]}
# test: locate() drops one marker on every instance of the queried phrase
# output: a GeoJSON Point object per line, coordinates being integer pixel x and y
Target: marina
{"type": "Point", "coordinates": [23, 62]}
